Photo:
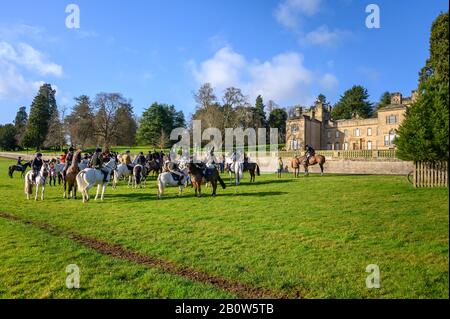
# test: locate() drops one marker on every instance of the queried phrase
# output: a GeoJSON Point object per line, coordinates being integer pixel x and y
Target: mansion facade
{"type": "Point", "coordinates": [316, 127]}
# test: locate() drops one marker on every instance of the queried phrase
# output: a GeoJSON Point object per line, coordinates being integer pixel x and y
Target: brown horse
{"type": "Point", "coordinates": [313, 160]}
{"type": "Point", "coordinates": [200, 173]}
{"type": "Point", "coordinates": [71, 174]}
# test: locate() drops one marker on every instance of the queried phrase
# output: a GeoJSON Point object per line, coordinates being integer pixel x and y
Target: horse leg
{"type": "Point", "coordinates": [98, 191]}
{"type": "Point", "coordinates": [103, 191]}
{"type": "Point", "coordinates": [214, 187]}
{"type": "Point", "coordinates": [65, 189]}
{"type": "Point", "coordinates": [37, 192]}
{"type": "Point", "coordinates": [43, 192]}
{"type": "Point", "coordinates": [321, 169]}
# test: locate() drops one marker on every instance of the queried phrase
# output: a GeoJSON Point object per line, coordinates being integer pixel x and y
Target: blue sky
{"type": "Point", "coordinates": [287, 50]}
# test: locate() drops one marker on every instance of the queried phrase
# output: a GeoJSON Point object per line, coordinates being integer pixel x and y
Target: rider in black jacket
{"type": "Point", "coordinates": [309, 152]}
{"type": "Point", "coordinates": [36, 165]}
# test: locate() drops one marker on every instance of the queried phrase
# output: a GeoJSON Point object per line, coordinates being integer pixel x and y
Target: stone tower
{"type": "Point", "coordinates": [396, 98]}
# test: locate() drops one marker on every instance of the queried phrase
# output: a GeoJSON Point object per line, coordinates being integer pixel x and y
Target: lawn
{"type": "Point", "coordinates": [309, 238]}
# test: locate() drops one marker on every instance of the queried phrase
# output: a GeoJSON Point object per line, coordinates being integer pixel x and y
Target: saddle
{"type": "Point", "coordinates": [175, 176]}
{"type": "Point", "coordinates": [208, 173]}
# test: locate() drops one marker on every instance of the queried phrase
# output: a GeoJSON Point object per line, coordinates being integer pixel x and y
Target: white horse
{"type": "Point", "coordinates": [89, 177]}
{"type": "Point", "coordinates": [83, 164]}
{"type": "Point", "coordinates": [122, 171]}
{"type": "Point", "coordinates": [234, 168]}
{"type": "Point", "coordinates": [166, 179]}
{"type": "Point", "coordinates": [40, 180]}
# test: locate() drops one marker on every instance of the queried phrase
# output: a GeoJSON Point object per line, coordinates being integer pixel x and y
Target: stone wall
{"type": "Point", "coordinates": [348, 166]}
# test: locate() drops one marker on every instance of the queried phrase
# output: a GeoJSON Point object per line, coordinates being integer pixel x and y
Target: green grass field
{"type": "Point", "coordinates": [309, 238]}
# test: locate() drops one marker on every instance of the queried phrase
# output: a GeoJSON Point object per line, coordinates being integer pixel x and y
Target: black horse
{"type": "Point", "coordinates": [21, 168]}
{"type": "Point", "coordinates": [253, 169]}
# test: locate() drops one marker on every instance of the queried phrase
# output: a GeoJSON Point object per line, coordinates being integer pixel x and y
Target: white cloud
{"type": "Point", "coordinates": [293, 14]}
{"type": "Point", "coordinates": [223, 70]}
{"type": "Point", "coordinates": [283, 78]}
{"type": "Point", "coordinates": [288, 12]}
{"type": "Point", "coordinates": [30, 58]}
{"type": "Point", "coordinates": [370, 74]}
{"type": "Point", "coordinates": [324, 36]}
{"type": "Point", "coordinates": [329, 82]}
{"type": "Point", "coordinates": [13, 84]}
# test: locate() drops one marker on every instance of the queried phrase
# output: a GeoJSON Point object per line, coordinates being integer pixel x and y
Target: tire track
{"type": "Point", "coordinates": [117, 251]}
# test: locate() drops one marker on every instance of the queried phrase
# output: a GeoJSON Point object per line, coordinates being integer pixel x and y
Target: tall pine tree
{"type": "Point", "coordinates": [354, 103]}
{"type": "Point", "coordinates": [423, 135]}
{"type": "Point", "coordinates": [42, 109]}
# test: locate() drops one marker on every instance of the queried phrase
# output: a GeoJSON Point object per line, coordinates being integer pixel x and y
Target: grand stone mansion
{"type": "Point", "coordinates": [316, 127]}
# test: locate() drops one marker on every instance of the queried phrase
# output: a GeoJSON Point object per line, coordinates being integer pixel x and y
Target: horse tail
{"type": "Point", "coordinates": [138, 175]}
{"type": "Point", "coordinates": [221, 182]}
{"type": "Point", "coordinates": [258, 172]}
{"type": "Point", "coordinates": [28, 186]}
{"type": "Point", "coordinates": [81, 182]}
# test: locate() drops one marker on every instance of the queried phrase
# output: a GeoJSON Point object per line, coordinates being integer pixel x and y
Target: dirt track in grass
{"type": "Point", "coordinates": [119, 252]}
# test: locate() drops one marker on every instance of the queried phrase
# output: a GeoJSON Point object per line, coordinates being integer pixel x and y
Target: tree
{"type": "Point", "coordinates": [127, 125]}
{"type": "Point", "coordinates": [20, 123]}
{"type": "Point", "coordinates": [423, 135]}
{"type": "Point", "coordinates": [322, 98]}
{"type": "Point", "coordinates": [8, 137]}
{"type": "Point", "coordinates": [205, 96]}
{"type": "Point", "coordinates": [259, 113]}
{"type": "Point", "coordinates": [385, 100]}
{"type": "Point", "coordinates": [179, 120]}
{"type": "Point", "coordinates": [277, 119]}
{"type": "Point", "coordinates": [106, 126]}
{"type": "Point", "coordinates": [80, 123]}
{"type": "Point", "coordinates": [157, 122]}
{"type": "Point", "coordinates": [41, 111]}
{"type": "Point", "coordinates": [354, 103]}
{"type": "Point", "coordinates": [21, 118]}
{"type": "Point", "coordinates": [55, 135]}
{"type": "Point", "coordinates": [232, 99]}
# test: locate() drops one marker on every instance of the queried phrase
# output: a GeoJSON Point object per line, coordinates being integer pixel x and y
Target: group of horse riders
{"type": "Point", "coordinates": [98, 158]}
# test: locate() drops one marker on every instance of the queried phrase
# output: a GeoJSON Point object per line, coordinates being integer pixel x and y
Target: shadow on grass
{"type": "Point", "coordinates": [205, 194]}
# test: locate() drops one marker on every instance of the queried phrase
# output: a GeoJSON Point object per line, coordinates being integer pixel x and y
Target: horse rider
{"type": "Point", "coordinates": [62, 158]}
{"type": "Point", "coordinates": [149, 156]}
{"type": "Point", "coordinates": [19, 162]}
{"type": "Point", "coordinates": [36, 165]}
{"type": "Point", "coordinates": [68, 161]}
{"type": "Point", "coordinates": [140, 159]}
{"type": "Point", "coordinates": [245, 161]}
{"type": "Point", "coordinates": [173, 168]}
{"type": "Point", "coordinates": [97, 163]}
{"type": "Point", "coordinates": [126, 159]}
{"type": "Point", "coordinates": [309, 152]}
{"type": "Point", "coordinates": [156, 156]}
{"type": "Point", "coordinates": [106, 155]}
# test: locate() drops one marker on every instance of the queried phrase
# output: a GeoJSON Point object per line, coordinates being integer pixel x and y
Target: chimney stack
{"type": "Point", "coordinates": [396, 98]}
